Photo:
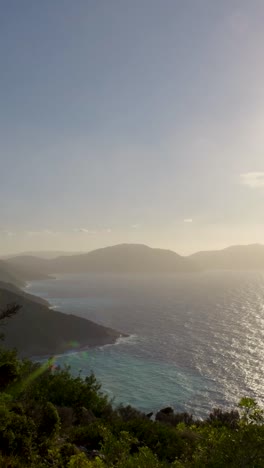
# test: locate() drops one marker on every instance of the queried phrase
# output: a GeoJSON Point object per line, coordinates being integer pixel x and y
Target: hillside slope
{"type": "Point", "coordinates": [7, 275]}
{"type": "Point", "coordinates": [123, 258]}
{"type": "Point", "coordinates": [12, 288]}
{"type": "Point", "coordinates": [237, 257]}
{"type": "Point", "coordinates": [138, 258]}
{"type": "Point", "coordinates": [37, 330]}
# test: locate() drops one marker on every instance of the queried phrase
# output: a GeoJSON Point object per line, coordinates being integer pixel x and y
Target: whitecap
{"type": "Point", "coordinates": [131, 339]}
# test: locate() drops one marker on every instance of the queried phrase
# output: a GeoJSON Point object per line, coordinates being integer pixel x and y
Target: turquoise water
{"type": "Point", "coordinates": [145, 385]}
{"type": "Point", "coordinates": [196, 340]}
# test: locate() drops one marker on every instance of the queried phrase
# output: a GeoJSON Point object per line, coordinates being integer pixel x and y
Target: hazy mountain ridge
{"type": "Point", "coordinates": [126, 258]}
{"type": "Point", "coordinates": [7, 275]}
{"type": "Point", "coordinates": [45, 254]}
{"type": "Point", "coordinates": [236, 257]}
{"type": "Point", "coordinates": [139, 258]}
{"type": "Point", "coordinates": [19, 272]}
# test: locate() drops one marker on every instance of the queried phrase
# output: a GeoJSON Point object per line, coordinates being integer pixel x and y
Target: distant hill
{"type": "Point", "coordinates": [23, 269]}
{"type": "Point", "coordinates": [123, 258]}
{"type": "Point", "coordinates": [138, 258]}
{"type": "Point", "coordinates": [8, 276]}
{"type": "Point", "coordinates": [38, 331]}
{"type": "Point", "coordinates": [237, 257]}
{"type": "Point", "coordinates": [48, 254]}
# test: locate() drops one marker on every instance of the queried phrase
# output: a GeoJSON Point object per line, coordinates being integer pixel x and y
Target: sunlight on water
{"type": "Point", "coordinates": [195, 341]}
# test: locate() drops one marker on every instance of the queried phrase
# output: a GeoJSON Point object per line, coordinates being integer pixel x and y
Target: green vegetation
{"type": "Point", "coordinates": [48, 418]}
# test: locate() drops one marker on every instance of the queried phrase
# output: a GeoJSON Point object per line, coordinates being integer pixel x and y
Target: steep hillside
{"type": "Point", "coordinates": [38, 330]}
{"type": "Point", "coordinates": [12, 288]}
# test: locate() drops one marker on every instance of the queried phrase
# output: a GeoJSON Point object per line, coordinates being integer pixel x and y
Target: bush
{"type": "Point", "coordinates": [48, 418]}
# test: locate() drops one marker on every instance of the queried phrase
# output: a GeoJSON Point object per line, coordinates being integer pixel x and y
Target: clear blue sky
{"type": "Point", "coordinates": [131, 121]}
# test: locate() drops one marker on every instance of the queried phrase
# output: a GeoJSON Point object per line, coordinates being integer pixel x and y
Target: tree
{"type": "Point", "coordinates": [8, 312]}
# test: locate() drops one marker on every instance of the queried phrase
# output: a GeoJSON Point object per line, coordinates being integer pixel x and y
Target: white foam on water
{"type": "Point", "coordinates": [195, 342]}
{"type": "Point", "coordinates": [131, 339]}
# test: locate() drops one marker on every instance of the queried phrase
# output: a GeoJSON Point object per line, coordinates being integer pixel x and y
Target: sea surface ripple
{"type": "Point", "coordinates": [196, 340]}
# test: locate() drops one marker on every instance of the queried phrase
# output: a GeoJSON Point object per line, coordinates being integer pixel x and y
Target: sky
{"type": "Point", "coordinates": [131, 121]}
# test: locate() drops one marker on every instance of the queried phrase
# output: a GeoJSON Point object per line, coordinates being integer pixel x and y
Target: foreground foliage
{"type": "Point", "coordinates": [48, 418]}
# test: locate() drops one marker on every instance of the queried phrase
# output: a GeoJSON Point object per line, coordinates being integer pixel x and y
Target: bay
{"type": "Point", "coordinates": [196, 340]}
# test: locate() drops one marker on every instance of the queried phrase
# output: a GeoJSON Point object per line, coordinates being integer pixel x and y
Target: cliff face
{"type": "Point", "coordinates": [37, 330]}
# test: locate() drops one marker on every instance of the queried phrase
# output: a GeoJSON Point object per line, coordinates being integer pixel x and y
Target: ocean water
{"type": "Point", "coordinates": [196, 341]}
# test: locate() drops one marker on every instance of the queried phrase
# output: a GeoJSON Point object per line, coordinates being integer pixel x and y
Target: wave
{"type": "Point", "coordinates": [131, 339]}
{"type": "Point", "coordinates": [210, 327]}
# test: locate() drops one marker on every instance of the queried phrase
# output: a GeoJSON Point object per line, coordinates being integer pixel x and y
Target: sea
{"type": "Point", "coordinates": [196, 340]}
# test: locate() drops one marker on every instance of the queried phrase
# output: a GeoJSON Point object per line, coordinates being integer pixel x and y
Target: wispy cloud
{"type": "Point", "coordinates": [252, 179]}
{"type": "Point", "coordinates": [45, 232]}
{"type": "Point", "coordinates": [50, 232]}
{"type": "Point", "coordinates": [188, 220]}
{"type": "Point", "coordinates": [92, 231]}
{"type": "Point", "coordinates": [8, 233]}
{"type": "Point", "coordinates": [135, 226]}
{"type": "Point", "coordinates": [85, 230]}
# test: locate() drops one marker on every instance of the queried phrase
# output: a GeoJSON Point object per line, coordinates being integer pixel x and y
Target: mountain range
{"type": "Point", "coordinates": [39, 330]}
{"type": "Point", "coordinates": [137, 258]}
{"type": "Point", "coordinates": [237, 257]}
{"type": "Point", "coordinates": [42, 254]}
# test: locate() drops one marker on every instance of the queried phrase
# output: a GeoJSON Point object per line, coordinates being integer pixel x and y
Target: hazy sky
{"type": "Point", "coordinates": [131, 121]}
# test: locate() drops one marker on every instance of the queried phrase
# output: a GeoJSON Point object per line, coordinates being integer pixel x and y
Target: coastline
{"type": "Point", "coordinates": [80, 349]}
{"type": "Point", "coordinates": [103, 335]}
